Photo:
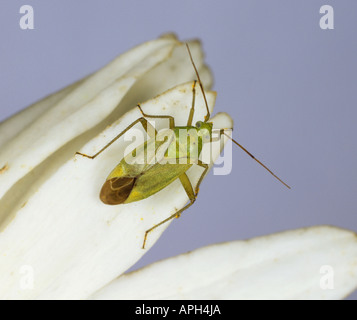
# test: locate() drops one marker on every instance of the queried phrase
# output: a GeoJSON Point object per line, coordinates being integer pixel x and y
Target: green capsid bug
{"type": "Point", "coordinates": [131, 181]}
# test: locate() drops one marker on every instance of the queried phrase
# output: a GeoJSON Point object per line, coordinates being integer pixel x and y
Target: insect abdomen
{"type": "Point", "coordinates": [155, 179]}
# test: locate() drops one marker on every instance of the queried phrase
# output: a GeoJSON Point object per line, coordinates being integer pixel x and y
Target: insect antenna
{"type": "Point", "coordinates": [208, 115]}
{"type": "Point", "coordinates": [262, 164]}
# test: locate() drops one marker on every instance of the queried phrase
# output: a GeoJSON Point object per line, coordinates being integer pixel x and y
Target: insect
{"type": "Point", "coordinates": [130, 182]}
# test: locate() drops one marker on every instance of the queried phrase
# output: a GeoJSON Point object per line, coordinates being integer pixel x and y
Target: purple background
{"type": "Point", "coordinates": [289, 86]}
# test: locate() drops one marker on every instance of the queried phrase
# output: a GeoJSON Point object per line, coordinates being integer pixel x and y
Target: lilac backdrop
{"type": "Point", "coordinates": [289, 86]}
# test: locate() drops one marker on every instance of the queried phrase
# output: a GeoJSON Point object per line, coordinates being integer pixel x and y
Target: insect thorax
{"type": "Point", "coordinates": [189, 141]}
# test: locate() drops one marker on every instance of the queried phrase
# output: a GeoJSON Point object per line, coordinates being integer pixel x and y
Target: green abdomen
{"type": "Point", "coordinates": [155, 179]}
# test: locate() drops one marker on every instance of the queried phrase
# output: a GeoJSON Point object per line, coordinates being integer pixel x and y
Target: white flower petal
{"type": "Point", "coordinates": [312, 263]}
{"type": "Point", "coordinates": [51, 217]}
{"type": "Point", "coordinates": [74, 243]}
{"type": "Point", "coordinates": [79, 115]}
{"type": "Point", "coordinates": [12, 126]}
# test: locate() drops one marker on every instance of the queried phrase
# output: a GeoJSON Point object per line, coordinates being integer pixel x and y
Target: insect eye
{"type": "Point", "coordinates": [198, 124]}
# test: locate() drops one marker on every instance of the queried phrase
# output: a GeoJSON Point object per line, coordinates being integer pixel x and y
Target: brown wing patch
{"type": "Point", "coordinates": [116, 190]}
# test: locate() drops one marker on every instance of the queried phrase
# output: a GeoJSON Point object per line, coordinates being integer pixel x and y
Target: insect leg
{"type": "Point", "coordinates": [146, 125]}
{"type": "Point", "coordinates": [171, 118]}
{"type": "Point", "coordinates": [192, 195]}
{"type": "Point", "coordinates": [205, 166]}
{"type": "Point", "coordinates": [186, 183]}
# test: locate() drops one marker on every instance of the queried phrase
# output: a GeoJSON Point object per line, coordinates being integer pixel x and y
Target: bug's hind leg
{"type": "Point", "coordinates": [186, 183]}
{"type": "Point", "coordinates": [205, 166]}
{"type": "Point", "coordinates": [192, 195]}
